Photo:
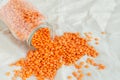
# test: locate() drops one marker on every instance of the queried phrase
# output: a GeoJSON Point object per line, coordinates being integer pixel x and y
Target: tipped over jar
{"type": "Point", "coordinates": [22, 19]}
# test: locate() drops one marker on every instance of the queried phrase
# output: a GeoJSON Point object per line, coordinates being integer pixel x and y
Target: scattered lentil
{"type": "Point", "coordinates": [96, 43]}
{"type": "Point", "coordinates": [86, 66]}
{"type": "Point", "coordinates": [75, 74]}
{"type": "Point", "coordinates": [88, 74]}
{"type": "Point", "coordinates": [103, 33]}
{"type": "Point", "coordinates": [7, 73]}
{"type": "Point", "coordinates": [90, 33]}
{"type": "Point", "coordinates": [77, 66]}
{"type": "Point", "coordinates": [82, 63]}
{"type": "Point", "coordinates": [96, 39]}
{"type": "Point", "coordinates": [79, 71]}
{"type": "Point", "coordinates": [69, 77]}
{"type": "Point", "coordinates": [51, 54]}
{"type": "Point", "coordinates": [90, 61]}
{"type": "Point", "coordinates": [80, 77]}
{"type": "Point", "coordinates": [101, 66]}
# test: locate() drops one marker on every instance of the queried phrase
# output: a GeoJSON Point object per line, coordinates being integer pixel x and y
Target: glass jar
{"type": "Point", "coordinates": [22, 19]}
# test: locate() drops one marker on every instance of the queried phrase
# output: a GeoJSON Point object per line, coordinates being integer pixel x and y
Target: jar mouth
{"type": "Point", "coordinates": [36, 29]}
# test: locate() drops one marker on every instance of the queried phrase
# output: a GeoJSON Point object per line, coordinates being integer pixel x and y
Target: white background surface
{"type": "Point", "coordinates": [75, 16]}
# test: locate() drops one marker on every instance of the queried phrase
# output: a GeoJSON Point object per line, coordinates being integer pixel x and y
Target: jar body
{"type": "Point", "coordinates": [21, 18]}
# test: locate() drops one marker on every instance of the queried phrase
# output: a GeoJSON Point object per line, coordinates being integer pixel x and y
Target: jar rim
{"type": "Point", "coordinates": [36, 29]}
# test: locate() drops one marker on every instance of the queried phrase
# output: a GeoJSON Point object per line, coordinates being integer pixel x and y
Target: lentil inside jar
{"type": "Point", "coordinates": [21, 18]}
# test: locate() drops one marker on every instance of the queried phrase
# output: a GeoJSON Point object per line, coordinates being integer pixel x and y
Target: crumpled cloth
{"type": "Point", "coordinates": [73, 16]}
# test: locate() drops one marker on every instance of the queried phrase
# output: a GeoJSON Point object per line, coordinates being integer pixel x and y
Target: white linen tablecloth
{"type": "Point", "coordinates": [73, 16]}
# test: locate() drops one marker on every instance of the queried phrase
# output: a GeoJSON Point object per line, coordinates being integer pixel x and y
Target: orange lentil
{"type": "Point", "coordinates": [77, 66]}
{"type": "Point", "coordinates": [101, 66]}
{"type": "Point", "coordinates": [96, 39]}
{"type": "Point", "coordinates": [21, 17]}
{"type": "Point", "coordinates": [88, 36]}
{"type": "Point", "coordinates": [86, 66]}
{"type": "Point", "coordinates": [79, 71]}
{"type": "Point", "coordinates": [75, 74]}
{"type": "Point", "coordinates": [7, 73]}
{"type": "Point", "coordinates": [95, 64]}
{"type": "Point", "coordinates": [51, 54]}
{"type": "Point", "coordinates": [90, 61]}
{"type": "Point", "coordinates": [80, 66]}
{"type": "Point", "coordinates": [80, 76]}
{"type": "Point", "coordinates": [90, 33]}
{"type": "Point", "coordinates": [88, 74]}
{"type": "Point", "coordinates": [81, 63]}
{"type": "Point", "coordinates": [13, 78]}
{"type": "Point", "coordinates": [69, 77]}
{"type": "Point", "coordinates": [103, 33]}
{"type": "Point", "coordinates": [96, 43]}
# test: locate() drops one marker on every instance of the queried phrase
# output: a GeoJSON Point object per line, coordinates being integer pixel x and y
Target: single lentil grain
{"type": "Point", "coordinates": [86, 66]}
{"type": "Point", "coordinates": [96, 42]}
{"type": "Point", "coordinates": [79, 71]}
{"type": "Point", "coordinates": [103, 33]}
{"type": "Point", "coordinates": [96, 39]}
{"type": "Point", "coordinates": [69, 77]}
{"type": "Point", "coordinates": [7, 73]}
{"type": "Point", "coordinates": [75, 74]}
{"type": "Point", "coordinates": [88, 74]}
{"type": "Point", "coordinates": [101, 66]}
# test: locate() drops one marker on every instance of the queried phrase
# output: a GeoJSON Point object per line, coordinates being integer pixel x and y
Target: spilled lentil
{"type": "Point", "coordinates": [51, 54]}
